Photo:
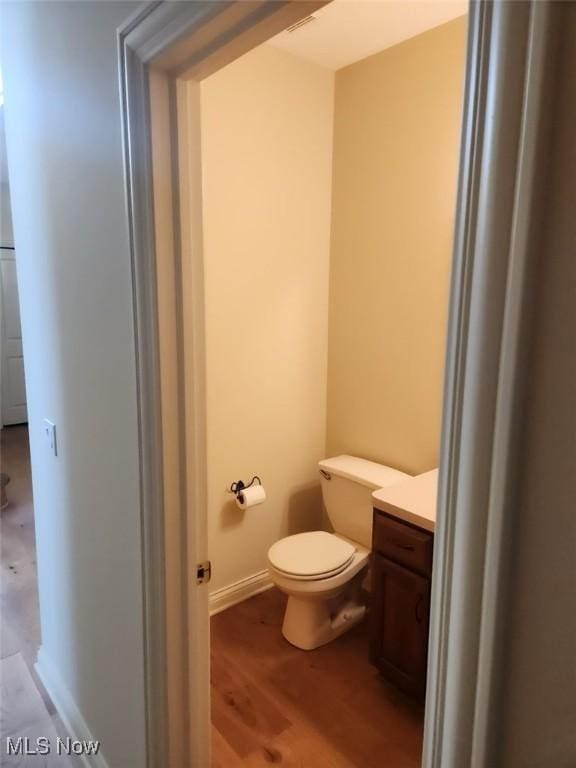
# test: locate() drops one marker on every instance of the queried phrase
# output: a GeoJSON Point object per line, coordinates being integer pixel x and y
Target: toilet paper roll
{"type": "Point", "coordinates": [250, 497]}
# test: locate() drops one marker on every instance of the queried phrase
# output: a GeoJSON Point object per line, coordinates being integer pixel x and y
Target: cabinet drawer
{"type": "Point", "coordinates": [403, 544]}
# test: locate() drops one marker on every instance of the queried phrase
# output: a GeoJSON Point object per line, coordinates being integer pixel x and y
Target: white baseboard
{"type": "Point", "coordinates": [239, 591]}
{"type": "Point", "coordinates": [62, 698]}
{"type": "Point", "coordinates": [66, 708]}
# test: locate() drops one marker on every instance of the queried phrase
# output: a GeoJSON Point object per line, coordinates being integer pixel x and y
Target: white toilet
{"type": "Point", "coordinates": [322, 572]}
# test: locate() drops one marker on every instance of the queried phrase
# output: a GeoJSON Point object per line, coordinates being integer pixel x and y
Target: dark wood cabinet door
{"type": "Point", "coordinates": [400, 618]}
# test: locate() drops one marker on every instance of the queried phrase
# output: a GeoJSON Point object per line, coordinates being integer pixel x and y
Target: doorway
{"type": "Point", "coordinates": [323, 304]}
{"type": "Point", "coordinates": [182, 382]}
{"type": "Point", "coordinates": [213, 285]}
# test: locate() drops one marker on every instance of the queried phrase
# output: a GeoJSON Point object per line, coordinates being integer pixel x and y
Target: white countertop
{"type": "Point", "coordinates": [412, 500]}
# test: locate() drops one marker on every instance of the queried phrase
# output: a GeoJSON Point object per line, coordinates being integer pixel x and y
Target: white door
{"type": "Point", "coordinates": [12, 360]}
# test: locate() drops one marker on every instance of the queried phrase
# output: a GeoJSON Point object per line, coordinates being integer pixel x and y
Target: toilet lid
{"type": "Point", "coordinates": [311, 554]}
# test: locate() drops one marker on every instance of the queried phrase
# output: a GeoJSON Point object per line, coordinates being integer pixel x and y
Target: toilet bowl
{"type": "Point", "coordinates": [323, 592]}
{"type": "Point", "coordinates": [322, 573]}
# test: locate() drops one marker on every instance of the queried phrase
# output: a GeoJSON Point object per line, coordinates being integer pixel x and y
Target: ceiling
{"type": "Point", "coordinates": [345, 31]}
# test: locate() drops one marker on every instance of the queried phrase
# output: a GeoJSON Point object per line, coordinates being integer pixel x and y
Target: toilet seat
{"type": "Point", "coordinates": [311, 556]}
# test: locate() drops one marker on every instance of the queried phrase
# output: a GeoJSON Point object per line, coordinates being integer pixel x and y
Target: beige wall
{"type": "Point", "coordinates": [396, 145]}
{"type": "Point", "coordinates": [267, 123]}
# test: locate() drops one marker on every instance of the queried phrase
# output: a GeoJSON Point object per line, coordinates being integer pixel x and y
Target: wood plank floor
{"type": "Point", "coordinates": [19, 610]}
{"type": "Point", "coordinates": [272, 704]}
{"type": "Point", "coordinates": [20, 632]}
{"type": "Point", "coordinates": [328, 708]}
{"type": "Point", "coordinates": [24, 714]}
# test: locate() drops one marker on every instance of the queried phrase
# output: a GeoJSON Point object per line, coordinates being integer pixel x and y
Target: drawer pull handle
{"type": "Point", "coordinates": [407, 547]}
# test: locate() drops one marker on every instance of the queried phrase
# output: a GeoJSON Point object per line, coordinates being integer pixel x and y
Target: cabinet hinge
{"type": "Point", "coordinates": [203, 572]}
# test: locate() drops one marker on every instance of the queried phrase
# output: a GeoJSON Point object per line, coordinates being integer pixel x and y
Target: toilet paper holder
{"type": "Point", "coordinates": [237, 487]}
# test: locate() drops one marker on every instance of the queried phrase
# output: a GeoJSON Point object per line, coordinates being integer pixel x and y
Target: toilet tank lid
{"type": "Point", "coordinates": [362, 471]}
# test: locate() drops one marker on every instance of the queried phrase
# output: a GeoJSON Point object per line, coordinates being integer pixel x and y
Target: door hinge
{"type": "Point", "coordinates": [203, 572]}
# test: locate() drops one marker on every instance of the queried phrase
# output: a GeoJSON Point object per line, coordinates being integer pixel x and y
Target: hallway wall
{"type": "Point", "coordinates": [66, 170]}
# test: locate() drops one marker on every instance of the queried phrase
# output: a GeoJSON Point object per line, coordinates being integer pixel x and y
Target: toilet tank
{"type": "Point", "coordinates": [347, 486]}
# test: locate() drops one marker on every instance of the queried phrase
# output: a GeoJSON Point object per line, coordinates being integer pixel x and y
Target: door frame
{"type": "Point", "coordinates": [489, 314]}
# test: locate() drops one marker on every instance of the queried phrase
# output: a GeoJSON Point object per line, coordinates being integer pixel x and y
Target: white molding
{"type": "Point", "coordinates": [512, 378]}
{"type": "Point", "coordinates": [135, 127]}
{"type": "Point", "coordinates": [444, 540]}
{"type": "Point", "coordinates": [67, 708]}
{"type": "Point", "coordinates": [153, 37]}
{"type": "Point", "coordinates": [485, 369]}
{"type": "Point", "coordinates": [235, 593]}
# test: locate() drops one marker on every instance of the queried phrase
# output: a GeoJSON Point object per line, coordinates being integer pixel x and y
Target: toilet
{"type": "Point", "coordinates": [322, 573]}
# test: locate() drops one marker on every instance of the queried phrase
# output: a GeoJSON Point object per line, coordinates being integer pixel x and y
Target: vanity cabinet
{"type": "Point", "coordinates": [400, 606]}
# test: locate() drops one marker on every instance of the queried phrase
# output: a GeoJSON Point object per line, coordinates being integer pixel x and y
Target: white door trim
{"type": "Point", "coordinates": [186, 40]}
{"type": "Point", "coordinates": [488, 315]}
{"type": "Point", "coordinates": [485, 371]}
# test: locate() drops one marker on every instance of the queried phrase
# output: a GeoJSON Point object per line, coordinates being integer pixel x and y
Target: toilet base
{"type": "Point", "coordinates": [310, 622]}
